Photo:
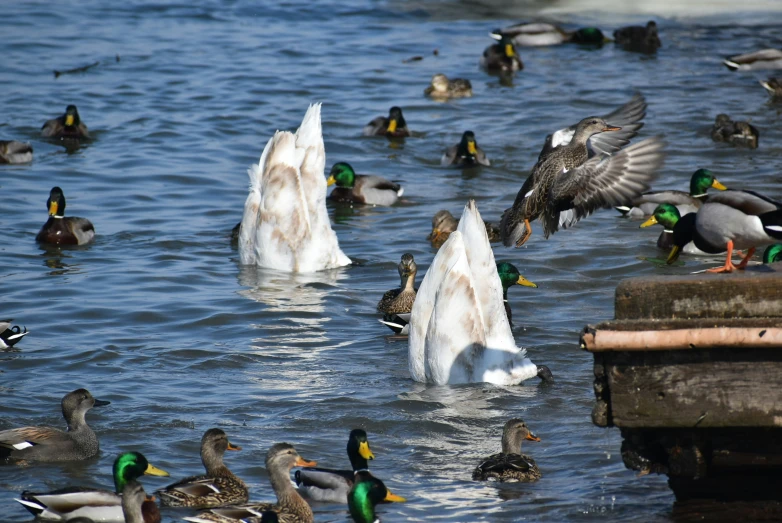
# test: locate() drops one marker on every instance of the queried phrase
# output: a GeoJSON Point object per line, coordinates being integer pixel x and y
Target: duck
{"type": "Point", "coordinates": [542, 33]}
{"type": "Point", "coordinates": [700, 182]}
{"type": "Point", "coordinates": [443, 88]}
{"type": "Point", "coordinates": [459, 304]}
{"type": "Point", "coordinates": [217, 488]}
{"type": "Point", "coordinates": [331, 485]}
{"type": "Point", "coordinates": [49, 444]}
{"type": "Point", "coordinates": [10, 334]}
{"type": "Point", "coordinates": [69, 125]}
{"type": "Point", "coordinates": [361, 188]}
{"type": "Point", "coordinates": [393, 126]}
{"type": "Point", "coordinates": [501, 57]}
{"type": "Point", "coordinates": [569, 185]}
{"type": "Point", "coordinates": [638, 38]}
{"type": "Point", "coordinates": [510, 276]}
{"type": "Point", "coordinates": [13, 152]}
{"type": "Point", "coordinates": [290, 506]}
{"type": "Point", "coordinates": [773, 86]}
{"type": "Point", "coordinates": [668, 215]}
{"type": "Point", "coordinates": [444, 223]}
{"type": "Point", "coordinates": [773, 253]}
{"type": "Point", "coordinates": [628, 118]}
{"type": "Point", "coordinates": [396, 304]}
{"type": "Point", "coordinates": [62, 230]}
{"type": "Point", "coordinates": [465, 153]}
{"type": "Point", "coordinates": [730, 220]}
{"type": "Point", "coordinates": [69, 503]}
{"type": "Point", "coordinates": [763, 59]}
{"type": "Point", "coordinates": [510, 464]}
{"type": "Point", "coordinates": [366, 494]}
{"type": "Point", "coordinates": [737, 133]}
{"type": "Point", "coordinates": [285, 224]}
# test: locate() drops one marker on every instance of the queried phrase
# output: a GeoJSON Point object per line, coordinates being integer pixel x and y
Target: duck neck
{"type": "Point", "coordinates": [286, 494]}
{"type": "Point", "coordinates": [130, 506]}
{"type": "Point", "coordinates": [408, 282]}
{"type": "Point", "coordinates": [511, 443]}
{"type": "Point", "coordinates": [213, 463]}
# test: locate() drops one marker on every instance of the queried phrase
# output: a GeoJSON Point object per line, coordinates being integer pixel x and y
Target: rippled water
{"type": "Point", "coordinates": [158, 317]}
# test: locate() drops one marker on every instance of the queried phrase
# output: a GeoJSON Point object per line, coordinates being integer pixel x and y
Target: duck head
{"type": "Point", "coordinates": [514, 432]}
{"type": "Point", "coordinates": [72, 116]}
{"type": "Point", "coordinates": [395, 120]}
{"type": "Point", "coordinates": [407, 270]}
{"type": "Point", "coordinates": [591, 126]}
{"type": "Point", "coordinates": [56, 203]}
{"type": "Point", "coordinates": [468, 147]}
{"type": "Point", "coordinates": [130, 466]}
{"type": "Point", "coordinates": [509, 276]}
{"type": "Point", "coordinates": [702, 180]}
{"type": "Point", "coordinates": [440, 83]}
{"type": "Point", "coordinates": [358, 449]}
{"type": "Point", "coordinates": [341, 174]}
{"type": "Point", "coordinates": [368, 491]}
{"type": "Point", "coordinates": [665, 214]}
{"type": "Point", "coordinates": [76, 404]}
{"type": "Point", "coordinates": [589, 35]}
{"type": "Point", "coordinates": [214, 443]}
{"type": "Point", "coordinates": [443, 223]}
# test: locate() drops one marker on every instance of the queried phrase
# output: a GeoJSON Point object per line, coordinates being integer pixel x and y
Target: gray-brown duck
{"type": "Point", "coordinates": [735, 132]}
{"type": "Point", "coordinates": [510, 464]}
{"type": "Point", "coordinates": [396, 304]}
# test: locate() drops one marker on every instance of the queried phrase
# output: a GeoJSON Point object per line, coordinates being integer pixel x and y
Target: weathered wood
{"type": "Point", "coordinates": [738, 338]}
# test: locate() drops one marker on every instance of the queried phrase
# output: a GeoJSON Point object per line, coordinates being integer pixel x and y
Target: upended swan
{"type": "Point", "coordinates": [285, 225]}
{"type": "Point", "coordinates": [459, 332]}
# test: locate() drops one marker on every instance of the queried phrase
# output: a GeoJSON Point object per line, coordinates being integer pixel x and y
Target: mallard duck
{"type": "Point", "coordinates": [10, 335]}
{"type": "Point", "coordinates": [700, 182]}
{"type": "Point", "coordinates": [737, 133]}
{"type": "Point", "coordinates": [638, 38]}
{"type": "Point", "coordinates": [668, 216]}
{"type": "Point", "coordinates": [285, 225]}
{"type": "Point", "coordinates": [97, 504]}
{"type": "Point", "coordinates": [510, 464]}
{"type": "Point", "coordinates": [443, 224]}
{"type": "Point", "coordinates": [290, 506]}
{"type": "Point", "coordinates": [367, 492]}
{"type": "Point", "coordinates": [773, 86]}
{"type": "Point", "coordinates": [568, 185]}
{"type": "Point", "coordinates": [50, 444]}
{"type": "Point", "coordinates": [764, 59]}
{"type": "Point", "coordinates": [541, 33]}
{"type": "Point", "coordinates": [509, 276]}
{"type": "Point", "coordinates": [14, 152]}
{"type": "Point", "coordinates": [62, 230]}
{"type": "Point", "coordinates": [393, 126]}
{"type": "Point", "coordinates": [459, 332]}
{"type": "Point", "coordinates": [731, 219]}
{"type": "Point", "coordinates": [464, 153]}
{"type": "Point", "coordinates": [773, 253]}
{"type": "Point", "coordinates": [396, 304]}
{"type": "Point", "coordinates": [443, 88]}
{"type": "Point", "coordinates": [361, 188]}
{"type": "Point", "coordinates": [333, 485]}
{"type": "Point", "coordinates": [502, 56]}
{"type": "Point", "coordinates": [217, 488]}
{"type": "Point", "coordinates": [68, 125]}
{"type": "Point", "coordinates": [627, 117]}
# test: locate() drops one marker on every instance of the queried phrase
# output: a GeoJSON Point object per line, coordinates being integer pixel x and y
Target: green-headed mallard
{"type": "Point", "coordinates": [367, 492]}
{"type": "Point", "coordinates": [62, 230]}
{"type": "Point", "coordinates": [290, 506]}
{"type": "Point", "coordinates": [773, 253]}
{"type": "Point", "coordinates": [217, 488]}
{"type": "Point", "coordinates": [393, 126]}
{"type": "Point", "coordinates": [501, 57]}
{"type": "Point", "coordinates": [396, 304]}
{"type": "Point", "coordinates": [700, 182]}
{"type": "Point", "coordinates": [764, 59]}
{"type": "Point", "coordinates": [510, 464]}
{"type": "Point", "coordinates": [50, 444]}
{"type": "Point", "coordinates": [68, 125]}
{"type": "Point", "coordinates": [443, 224]}
{"type": "Point", "coordinates": [10, 334]}
{"type": "Point", "coordinates": [542, 33]}
{"type": "Point", "coordinates": [731, 219]}
{"type": "Point", "coordinates": [638, 38]}
{"type": "Point", "coordinates": [773, 86]}
{"type": "Point", "coordinates": [568, 185]}
{"type": "Point", "coordinates": [97, 504]}
{"type": "Point", "coordinates": [668, 216]}
{"type": "Point", "coordinates": [14, 152]}
{"type": "Point", "coordinates": [285, 225]}
{"type": "Point", "coordinates": [333, 485]}
{"type": "Point", "coordinates": [442, 88]}
{"type": "Point", "coordinates": [361, 188]}
{"type": "Point", "coordinates": [737, 133]}
{"type": "Point", "coordinates": [509, 276]}
{"type": "Point", "coordinates": [465, 153]}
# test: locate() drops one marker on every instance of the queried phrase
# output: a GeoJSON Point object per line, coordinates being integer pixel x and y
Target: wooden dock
{"type": "Point", "coordinates": [690, 370]}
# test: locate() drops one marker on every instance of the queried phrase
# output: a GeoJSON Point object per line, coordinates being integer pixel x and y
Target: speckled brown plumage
{"type": "Point", "coordinates": [400, 301]}
{"type": "Point", "coordinates": [510, 464]}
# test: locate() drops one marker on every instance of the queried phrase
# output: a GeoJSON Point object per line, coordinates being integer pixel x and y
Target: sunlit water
{"type": "Point", "coordinates": [158, 316]}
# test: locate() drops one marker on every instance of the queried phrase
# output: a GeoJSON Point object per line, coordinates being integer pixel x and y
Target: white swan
{"type": "Point", "coordinates": [285, 225]}
{"type": "Point", "coordinates": [459, 332]}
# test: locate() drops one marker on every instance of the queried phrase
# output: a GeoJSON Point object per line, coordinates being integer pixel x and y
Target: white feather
{"type": "Point", "coordinates": [22, 445]}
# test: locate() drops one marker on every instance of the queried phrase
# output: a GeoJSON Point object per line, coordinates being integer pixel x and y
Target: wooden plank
{"type": "Point", "coordinates": [736, 338]}
{"type": "Point", "coordinates": [675, 324]}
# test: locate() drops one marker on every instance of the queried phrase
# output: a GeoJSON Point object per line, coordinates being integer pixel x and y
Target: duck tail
{"type": "Point", "coordinates": [623, 209]}
{"type": "Point", "coordinates": [733, 66]}
{"type": "Point", "coordinates": [772, 223]}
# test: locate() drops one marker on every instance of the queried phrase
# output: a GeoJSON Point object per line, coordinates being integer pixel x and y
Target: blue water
{"type": "Point", "coordinates": [158, 316]}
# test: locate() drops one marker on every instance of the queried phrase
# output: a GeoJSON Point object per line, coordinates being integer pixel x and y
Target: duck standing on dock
{"type": "Point", "coordinates": [510, 464]}
{"type": "Point", "coordinates": [361, 188]}
{"type": "Point", "coordinates": [397, 304]}
{"type": "Point", "coordinates": [501, 57]}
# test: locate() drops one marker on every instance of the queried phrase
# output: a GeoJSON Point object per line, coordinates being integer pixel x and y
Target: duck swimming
{"type": "Point", "coordinates": [502, 56]}
{"type": "Point", "coordinates": [465, 153]}
{"type": "Point", "coordinates": [700, 182]}
{"type": "Point", "coordinates": [541, 33]}
{"type": "Point", "coordinates": [638, 38]}
{"type": "Point", "coordinates": [361, 188]}
{"type": "Point", "coordinates": [68, 125]}
{"type": "Point", "coordinates": [510, 276]}
{"type": "Point", "coordinates": [737, 133]}
{"type": "Point", "coordinates": [510, 464]}
{"type": "Point", "coordinates": [62, 230]}
{"type": "Point", "coordinates": [366, 494]}
{"type": "Point", "coordinates": [442, 88]}
{"type": "Point", "coordinates": [396, 304]}
{"type": "Point", "coordinates": [764, 59]}
{"type": "Point", "coordinates": [10, 335]}
{"type": "Point", "coordinates": [13, 152]}
{"type": "Point", "coordinates": [393, 126]}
